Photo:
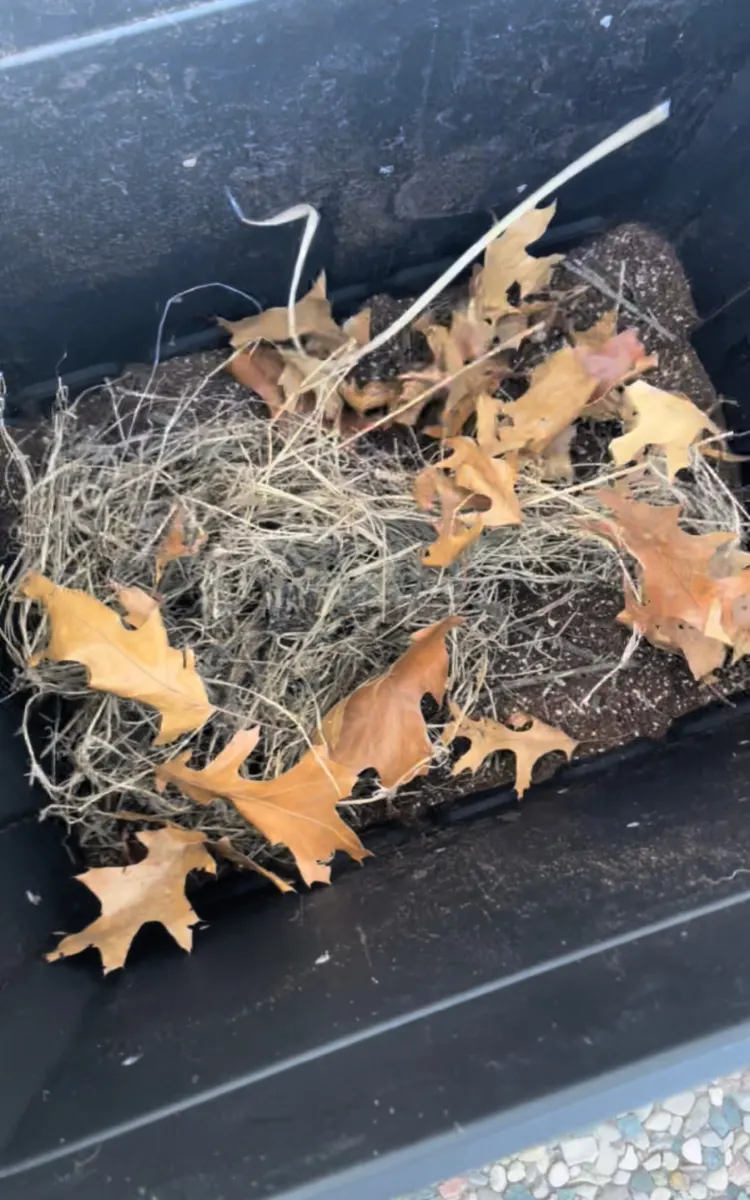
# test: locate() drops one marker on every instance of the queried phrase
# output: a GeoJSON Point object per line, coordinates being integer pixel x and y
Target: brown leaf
{"type": "Point", "coordinates": [174, 545]}
{"type": "Point", "coordinates": [259, 369]}
{"type": "Point", "coordinates": [611, 359]}
{"type": "Point", "coordinates": [663, 419]}
{"type": "Point", "coordinates": [697, 580]}
{"type": "Point", "coordinates": [487, 736]}
{"type": "Point", "coordinates": [151, 890]}
{"type": "Point", "coordinates": [456, 530]}
{"type": "Point", "coordinates": [558, 393]}
{"type": "Point", "coordinates": [378, 393]}
{"type": "Point", "coordinates": [704, 655]}
{"type": "Point", "coordinates": [555, 462]}
{"type": "Point", "coordinates": [358, 326]}
{"type": "Point", "coordinates": [494, 478]}
{"type": "Point", "coordinates": [305, 378]}
{"type": "Point", "coordinates": [380, 725]}
{"type": "Point", "coordinates": [312, 313]}
{"type": "Point", "coordinates": [297, 810]}
{"type": "Point", "coordinates": [506, 263]}
{"type": "Point", "coordinates": [224, 847]}
{"type": "Point", "coordinates": [137, 664]}
{"type": "Point", "coordinates": [138, 605]}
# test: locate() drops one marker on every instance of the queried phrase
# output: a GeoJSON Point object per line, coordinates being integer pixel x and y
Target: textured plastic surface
{"type": "Point", "coordinates": [488, 981]}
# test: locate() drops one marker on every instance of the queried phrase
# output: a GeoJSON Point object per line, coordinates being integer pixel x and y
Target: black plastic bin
{"type": "Point", "coordinates": [485, 983]}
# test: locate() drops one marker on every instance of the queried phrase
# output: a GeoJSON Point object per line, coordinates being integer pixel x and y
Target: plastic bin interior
{"type": "Point", "coordinates": [486, 982]}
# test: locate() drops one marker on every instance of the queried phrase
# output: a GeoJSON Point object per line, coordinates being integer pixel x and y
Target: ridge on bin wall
{"type": "Point", "coordinates": [405, 124]}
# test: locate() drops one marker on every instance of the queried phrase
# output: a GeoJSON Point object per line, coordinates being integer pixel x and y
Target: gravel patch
{"type": "Point", "coordinates": [692, 1146]}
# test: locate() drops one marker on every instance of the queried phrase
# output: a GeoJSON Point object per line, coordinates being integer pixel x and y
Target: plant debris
{"type": "Point", "coordinates": [314, 560]}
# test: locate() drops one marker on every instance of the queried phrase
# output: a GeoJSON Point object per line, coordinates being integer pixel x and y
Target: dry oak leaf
{"type": "Point", "coordinates": [137, 604]}
{"type": "Point", "coordinates": [506, 263]}
{"type": "Point", "coordinates": [151, 890]}
{"type": "Point", "coordinates": [456, 529]}
{"type": "Point", "coordinates": [611, 359]}
{"type": "Point", "coordinates": [377, 393]}
{"type": "Point", "coordinates": [174, 546]}
{"type": "Point", "coordinates": [487, 736]}
{"type": "Point", "coordinates": [224, 847]}
{"type": "Point", "coordinates": [380, 725]}
{"type": "Point", "coordinates": [259, 368]}
{"type": "Point", "coordinates": [312, 316]}
{"type": "Point", "coordinates": [297, 809]}
{"type": "Point", "coordinates": [703, 654]}
{"type": "Point", "coordinates": [495, 478]}
{"type": "Point", "coordinates": [663, 419]}
{"type": "Point", "coordinates": [698, 580]}
{"type": "Point", "coordinates": [558, 393]}
{"type": "Point", "coordinates": [136, 664]}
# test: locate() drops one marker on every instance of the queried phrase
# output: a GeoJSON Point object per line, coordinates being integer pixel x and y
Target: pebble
{"type": "Point", "coordinates": [713, 1158]}
{"type": "Point", "coordinates": [558, 1175]}
{"type": "Point", "coordinates": [498, 1178]}
{"type": "Point", "coordinates": [579, 1150]}
{"type": "Point", "coordinates": [698, 1118]}
{"type": "Point", "coordinates": [718, 1181]}
{"type": "Point", "coordinates": [694, 1146]}
{"type": "Point", "coordinates": [659, 1121]}
{"type": "Point", "coordinates": [607, 1162]}
{"type": "Point", "coordinates": [630, 1126]}
{"type": "Point", "coordinates": [681, 1104]}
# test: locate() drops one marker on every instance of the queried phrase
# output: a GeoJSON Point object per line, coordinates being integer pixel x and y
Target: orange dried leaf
{"type": "Point", "coordinates": [174, 545]}
{"type": "Point", "coordinates": [151, 890]}
{"type": "Point", "coordinates": [137, 664]}
{"type": "Point", "coordinates": [358, 327]}
{"type": "Point", "coordinates": [378, 393]}
{"type": "Point", "coordinates": [494, 478]}
{"type": "Point", "coordinates": [259, 369]}
{"type": "Point", "coordinates": [456, 530]}
{"type": "Point", "coordinates": [487, 736]}
{"type": "Point", "coordinates": [558, 393]}
{"type": "Point", "coordinates": [297, 810]}
{"type": "Point", "coordinates": [698, 580]}
{"type": "Point", "coordinates": [663, 419]}
{"type": "Point", "coordinates": [138, 605]}
{"type": "Point", "coordinates": [380, 725]}
{"type": "Point", "coordinates": [312, 315]}
{"type": "Point", "coordinates": [703, 654]}
{"type": "Point", "coordinates": [506, 263]}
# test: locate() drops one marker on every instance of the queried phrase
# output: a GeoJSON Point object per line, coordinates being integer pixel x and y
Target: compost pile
{"type": "Point", "coordinates": [307, 583]}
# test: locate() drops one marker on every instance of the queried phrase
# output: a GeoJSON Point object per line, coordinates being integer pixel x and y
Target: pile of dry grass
{"type": "Point", "coordinates": [309, 583]}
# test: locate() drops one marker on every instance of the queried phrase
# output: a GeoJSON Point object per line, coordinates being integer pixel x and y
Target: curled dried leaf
{"type": "Point", "coordinates": [380, 725]}
{"type": "Point", "coordinates": [558, 393]}
{"type": "Point", "coordinates": [259, 368]}
{"type": "Point", "coordinates": [495, 478]}
{"type": "Point", "coordinates": [487, 736]}
{"type": "Point", "coordinates": [174, 546]}
{"type": "Point", "coordinates": [151, 890]}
